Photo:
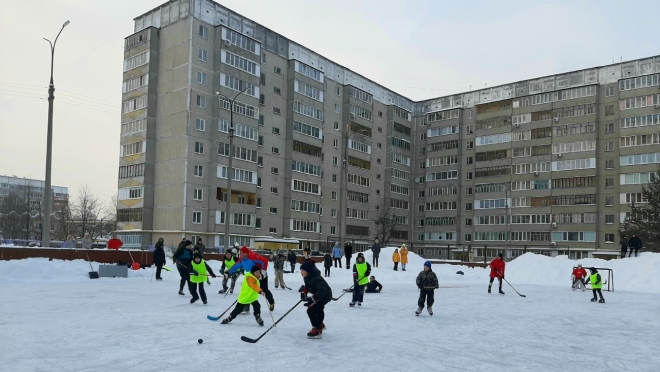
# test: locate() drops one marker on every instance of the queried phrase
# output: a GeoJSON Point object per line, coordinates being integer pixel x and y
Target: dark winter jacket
{"type": "Point", "coordinates": [200, 247]}
{"type": "Point", "coordinates": [292, 257]}
{"type": "Point", "coordinates": [348, 250]}
{"type": "Point", "coordinates": [278, 262]}
{"type": "Point", "coordinates": [315, 284]}
{"type": "Point", "coordinates": [427, 280]}
{"type": "Point", "coordinates": [159, 254]}
{"type": "Point", "coordinates": [624, 243]}
{"type": "Point", "coordinates": [327, 260]}
{"type": "Point", "coordinates": [183, 257]}
{"type": "Point", "coordinates": [375, 249]}
{"type": "Point", "coordinates": [635, 242]}
{"type": "Point", "coordinates": [374, 286]}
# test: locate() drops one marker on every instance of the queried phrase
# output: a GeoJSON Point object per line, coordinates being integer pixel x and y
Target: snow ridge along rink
{"type": "Point", "coordinates": [54, 318]}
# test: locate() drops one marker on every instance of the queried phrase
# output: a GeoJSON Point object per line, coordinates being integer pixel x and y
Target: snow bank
{"type": "Point", "coordinates": [630, 274]}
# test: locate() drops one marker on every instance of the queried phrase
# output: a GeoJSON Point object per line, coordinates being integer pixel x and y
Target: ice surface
{"type": "Point", "coordinates": [54, 318]}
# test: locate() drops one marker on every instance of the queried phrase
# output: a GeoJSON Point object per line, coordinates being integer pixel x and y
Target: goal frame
{"type": "Point", "coordinates": [609, 278]}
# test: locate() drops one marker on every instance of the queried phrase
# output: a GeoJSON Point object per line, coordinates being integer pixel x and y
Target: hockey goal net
{"type": "Point", "coordinates": [607, 276]}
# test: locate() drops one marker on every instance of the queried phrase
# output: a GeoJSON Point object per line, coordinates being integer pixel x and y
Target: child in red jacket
{"type": "Point", "coordinates": [579, 274]}
{"type": "Point", "coordinates": [497, 271]}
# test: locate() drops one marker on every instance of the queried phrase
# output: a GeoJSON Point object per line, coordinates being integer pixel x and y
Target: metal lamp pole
{"type": "Point", "coordinates": [231, 158]}
{"type": "Point", "coordinates": [48, 207]}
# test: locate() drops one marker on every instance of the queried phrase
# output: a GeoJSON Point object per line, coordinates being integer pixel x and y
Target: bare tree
{"type": "Point", "coordinates": [386, 222]}
{"type": "Point", "coordinates": [90, 214]}
{"type": "Point", "coordinates": [11, 216]}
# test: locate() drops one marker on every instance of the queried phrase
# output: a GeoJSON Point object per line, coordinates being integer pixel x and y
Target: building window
{"type": "Point", "coordinates": [201, 101]}
{"type": "Point", "coordinates": [276, 111]}
{"type": "Point", "coordinates": [609, 201]}
{"type": "Point", "coordinates": [609, 110]}
{"type": "Point", "coordinates": [609, 218]}
{"type": "Point", "coordinates": [202, 55]}
{"type": "Point", "coordinates": [336, 125]}
{"type": "Point", "coordinates": [258, 181]}
{"type": "Point", "coordinates": [609, 238]}
{"type": "Point", "coordinates": [468, 206]}
{"type": "Point", "coordinates": [469, 145]}
{"type": "Point", "coordinates": [258, 202]}
{"type": "Point", "coordinates": [609, 146]}
{"type": "Point", "coordinates": [257, 224]}
{"type": "Point", "coordinates": [274, 170]}
{"type": "Point", "coordinates": [199, 171]}
{"type": "Point", "coordinates": [277, 70]}
{"type": "Point", "coordinates": [197, 194]}
{"type": "Point", "coordinates": [200, 124]}
{"type": "Point", "coordinates": [273, 190]}
{"type": "Point", "coordinates": [275, 150]}
{"type": "Point", "coordinates": [201, 78]}
{"type": "Point", "coordinates": [609, 91]}
{"type": "Point", "coordinates": [468, 237]}
{"type": "Point", "coordinates": [273, 210]}
{"type": "Point", "coordinates": [334, 195]}
{"type": "Point", "coordinates": [609, 128]}
{"type": "Point", "coordinates": [276, 130]}
{"type": "Point", "coordinates": [197, 217]}
{"type": "Point", "coordinates": [260, 161]}
{"type": "Point", "coordinates": [334, 178]}
{"type": "Point", "coordinates": [609, 164]}
{"type": "Point", "coordinates": [203, 32]}
{"type": "Point", "coordinates": [272, 230]}
{"type": "Point", "coordinates": [262, 99]}
{"type": "Point", "coordinates": [199, 148]}
{"type": "Point", "coordinates": [609, 182]}
{"type": "Point", "coordinates": [277, 91]}
{"type": "Point", "coordinates": [260, 140]}
{"type": "Point", "coordinates": [468, 222]}
{"type": "Point", "coordinates": [335, 143]}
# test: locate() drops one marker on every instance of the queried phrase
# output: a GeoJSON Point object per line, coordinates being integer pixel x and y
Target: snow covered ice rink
{"type": "Point", "coordinates": [53, 318]}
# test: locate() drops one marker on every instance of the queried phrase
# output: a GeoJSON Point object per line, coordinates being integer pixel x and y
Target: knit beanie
{"type": "Point", "coordinates": [255, 268]}
{"type": "Point", "coordinates": [427, 264]}
{"type": "Point", "coordinates": [187, 243]}
{"type": "Point", "coordinates": [307, 266]}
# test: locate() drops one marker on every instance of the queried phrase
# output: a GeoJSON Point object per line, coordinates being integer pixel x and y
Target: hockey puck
{"type": "Point", "coordinates": [200, 341]}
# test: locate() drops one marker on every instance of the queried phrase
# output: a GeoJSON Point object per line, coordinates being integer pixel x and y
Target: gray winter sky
{"type": "Point", "coordinates": [421, 49]}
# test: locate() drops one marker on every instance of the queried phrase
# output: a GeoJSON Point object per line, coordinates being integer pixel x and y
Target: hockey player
{"type": "Point", "coordinates": [278, 263]}
{"type": "Point", "coordinates": [361, 272]}
{"type": "Point", "coordinates": [579, 273]}
{"type": "Point", "coordinates": [497, 271]}
{"type": "Point", "coordinates": [182, 258]}
{"type": "Point", "coordinates": [321, 295]}
{"type": "Point", "coordinates": [227, 263]}
{"type": "Point", "coordinates": [249, 259]}
{"type": "Point", "coordinates": [373, 286]}
{"type": "Point", "coordinates": [596, 285]}
{"type": "Point", "coordinates": [427, 282]}
{"type": "Point", "coordinates": [249, 295]}
{"type": "Point", "coordinates": [199, 273]}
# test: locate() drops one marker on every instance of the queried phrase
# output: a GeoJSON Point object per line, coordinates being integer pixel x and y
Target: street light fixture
{"type": "Point", "coordinates": [230, 172]}
{"type": "Point", "coordinates": [346, 135]}
{"type": "Point", "coordinates": [49, 145]}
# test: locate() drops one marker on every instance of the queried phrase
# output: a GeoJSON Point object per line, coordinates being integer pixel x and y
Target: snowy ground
{"type": "Point", "coordinates": [53, 318]}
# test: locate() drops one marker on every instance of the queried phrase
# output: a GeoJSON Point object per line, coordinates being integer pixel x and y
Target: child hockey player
{"type": "Point", "coordinates": [427, 282]}
{"type": "Point", "coordinates": [396, 257]}
{"type": "Point", "coordinates": [579, 273]}
{"type": "Point", "coordinates": [249, 259]}
{"type": "Point", "coordinates": [278, 263]}
{"type": "Point", "coordinates": [182, 258]}
{"type": "Point", "coordinates": [596, 285]}
{"type": "Point", "coordinates": [361, 271]}
{"type": "Point", "coordinates": [249, 295]}
{"type": "Point", "coordinates": [199, 271]}
{"type": "Point", "coordinates": [321, 295]}
{"type": "Point", "coordinates": [373, 286]}
{"type": "Point", "coordinates": [327, 263]}
{"type": "Point", "coordinates": [497, 271]}
{"type": "Point", "coordinates": [227, 263]}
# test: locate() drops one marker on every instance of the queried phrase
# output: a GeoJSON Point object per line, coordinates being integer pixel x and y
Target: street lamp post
{"type": "Point", "coordinates": [231, 158]}
{"type": "Point", "coordinates": [49, 146]}
{"type": "Point", "coordinates": [344, 181]}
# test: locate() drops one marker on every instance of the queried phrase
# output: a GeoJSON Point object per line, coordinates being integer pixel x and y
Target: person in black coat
{"type": "Point", "coordinates": [375, 249]}
{"type": "Point", "coordinates": [635, 244]}
{"type": "Point", "coordinates": [159, 257]}
{"type": "Point", "coordinates": [321, 295]}
{"type": "Point", "coordinates": [373, 286]}
{"type": "Point", "coordinates": [291, 256]}
{"type": "Point", "coordinates": [327, 263]}
{"type": "Point", "coordinates": [182, 258]}
{"type": "Point", "coordinates": [348, 252]}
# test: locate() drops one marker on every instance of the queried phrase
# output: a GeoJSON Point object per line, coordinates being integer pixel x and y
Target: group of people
{"type": "Point", "coordinates": [400, 256]}
{"type": "Point", "coordinates": [580, 281]}
{"type": "Point", "coordinates": [632, 244]}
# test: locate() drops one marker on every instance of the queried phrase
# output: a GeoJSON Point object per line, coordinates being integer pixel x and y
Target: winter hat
{"type": "Point", "coordinates": [427, 264]}
{"type": "Point", "coordinates": [197, 255]}
{"type": "Point", "coordinates": [307, 266]}
{"type": "Point", "coordinates": [255, 268]}
{"type": "Point", "coordinates": [245, 249]}
{"type": "Point", "coordinates": [500, 255]}
{"type": "Point", "coordinates": [187, 243]}
{"type": "Point", "coordinates": [360, 255]}
{"type": "Point", "coordinates": [593, 270]}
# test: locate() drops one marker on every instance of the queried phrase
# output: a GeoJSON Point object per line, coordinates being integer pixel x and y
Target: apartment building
{"type": "Point", "coordinates": [545, 162]}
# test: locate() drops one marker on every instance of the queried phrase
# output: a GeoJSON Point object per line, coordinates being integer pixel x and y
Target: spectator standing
{"type": "Point", "coordinates": [375, 250]}
{"type": "Point", "coordinates": [86, 242]}
{"type": "Point", "coordinates": [348, 252]}
{"type": "Point", "coordinates": [623, 242]}
{"type": "Point", "coordinates": [635, 244]}
{"type": "Point", "coordinates": [159, 257]}
{"type": "Point", "coordinates": [115, 243]}
{"type": "Point", "coordinates": [336, 254]}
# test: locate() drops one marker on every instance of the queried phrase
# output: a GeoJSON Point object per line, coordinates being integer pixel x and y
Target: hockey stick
{"type": "Point", "coordinates": [507, 282]}
{"type": "Point", "coordinates": [347, 290]}
{"type": "Point", "coordinates": [215, 319]}
{"type": "Point", "coordinates": [254, 341]}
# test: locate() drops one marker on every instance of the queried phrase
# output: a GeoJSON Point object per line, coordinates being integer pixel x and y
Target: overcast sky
{"type": "Point", "coordinates": [420, 49]}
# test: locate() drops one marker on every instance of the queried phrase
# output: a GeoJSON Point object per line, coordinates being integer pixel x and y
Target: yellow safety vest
{"type": "Point", "coordinates": [248, 295]}
{"type": "Point", "coordinates": [593, 278]}
{"type": "Point", "coordinates": [201, 270]}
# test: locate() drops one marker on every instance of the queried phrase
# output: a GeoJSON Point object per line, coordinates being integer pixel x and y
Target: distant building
{"type": "Point", "coordinates": [552, 161]}
{"type": "Point", "coordinates": [21, 204]}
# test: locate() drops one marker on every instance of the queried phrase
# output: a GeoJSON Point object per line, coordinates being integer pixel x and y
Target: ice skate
{"type": "Point", "coordinates": [351, 304]}
{"type": "Point", "coordinates": [601, 301]}
{"type": "Point", "coordinates": [226, 320]}
{"type": "Point", "coordinates": [314, 333]}
{"type": "Point", "coordinates": [430, 310]}
{"type": "Point", "coordinates": [359, 303]}
{"type": "Point", "coordinates": [501, 292]}
{"type": "Point", "coordinates": [259, 321]}
{"type": "Point", "coordinates": [322, 327]}
{"type": "Point", "coordinates": [181, 293]}
{"type": "Point", "coordinates": [222, 291]}
{"type": "Point", "coordinates": [594, 299]}
{"type": "Point", "coordinates": [419, 310]}
{"type": "Point", "coordinates": [489, 289]}
{"type": "Point", "coordinates": [193, 300]}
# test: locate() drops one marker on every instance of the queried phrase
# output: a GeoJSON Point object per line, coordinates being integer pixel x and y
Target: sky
{"type": "Point", "coordinates": [420, 49]}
